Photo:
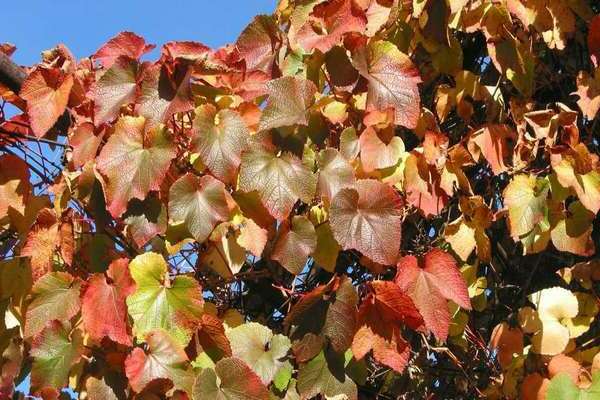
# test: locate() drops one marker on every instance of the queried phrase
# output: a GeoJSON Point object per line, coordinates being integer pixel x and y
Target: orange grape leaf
{"type": "Point", "coordinates": [133, 162]}
{"type": "Point", "coordinates": [164, 93]}
{"type": "Point", "coordinates": [116, 87]}
{"type": "Point", "coordinates": [328, 310]}
{"type": "Point", "coordinates": [46, 91]}
{"type": "Point", "coordinates": [492, 143]}
{"type": "Point", "coordinates": [163, 359]}
{"type": "Point", "coordinates": [219, 138]}
{"type": "Point", "coordinates": [279, 180]}
{"type": "Point", "coordinates": [335, 18]}
{"type": "Point", "coordinates": [430, 282]}
{"type": "Point", "coordinates": [392, 81]}
{"type": "Point", "coordinates": [290, 99]}
{"type": "Point", "coordinates": [103, 305]}
{"type": "Point", "coordinates": [124, 44]}
{"type": "Point", "coordinates": [258, 44]}
{"type": "Point", "coordinates": [201, 203]}
{"type": "Point", "coordinates": [377, 154]}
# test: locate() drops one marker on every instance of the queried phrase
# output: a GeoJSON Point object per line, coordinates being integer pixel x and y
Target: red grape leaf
{"type": "Point", "coordinates": [133, 162]}
{"type": "Point", "coordinates": [392, 81]}
{"type": "Point", "coordinates": [258, 44]}
{"type": "Point", "coordinates": [46, 91]}
{"type": "Point", "coordinates": [124, 44]}
{"type": "Point", "coordinates": [54, 352]}
{"type": "Point", "coordinates": [430, 285]}
{"type": "Point", "coordinates": [334, 18]}
{"type": "Point", "coordinates": [164, 359]}
{"type": "Point", "coordinates": [378, 325]}
{"type": "Point", "coordinates": [289, 100]}
{"type": "Point", "coordinates": [211, 334]}
{"type": "Point", "coordinates": [103, 305]}
{"type": "Point", "coordinates": [295, 244]}
{"type": "Point", "coordinates": [55, 297]}
{"type": "Point", "coordinates": [164, 92]}
{"type": "Point", "coordinates": [279, 180]}
{"type": "Point", "coordinates": [116, 87]}
{"type": "Point", "coordinates": [219, 138]}
{"type": "Point", "coordinates": [368, 218]}
{"type": "Point", "coordinates": [231, 379]}
{"type": "Point", "coordinates": [185, 50]}
{"type": "Point", "coordinates": [199, 202]}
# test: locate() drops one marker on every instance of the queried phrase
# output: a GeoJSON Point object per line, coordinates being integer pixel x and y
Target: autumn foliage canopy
{"type": "Point", "coordinates": [358, 199]}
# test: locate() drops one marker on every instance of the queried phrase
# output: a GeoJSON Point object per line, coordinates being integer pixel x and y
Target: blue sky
{"type": "Point", "coordinates": [83, 25]}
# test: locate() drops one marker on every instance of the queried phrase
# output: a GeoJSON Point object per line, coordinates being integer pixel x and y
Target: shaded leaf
{"type": "Point", "coordinates": [368, 218]}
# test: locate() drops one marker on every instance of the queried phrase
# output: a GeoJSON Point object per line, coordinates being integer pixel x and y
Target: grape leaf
{"type": "Point", "coordinates": [325, 375]}
{"type": "Point", "coordinates": [422, 184]}
{"type": "Point", "coordinates": [116, 87]}
{"type": "Point", "coordinates": [335, 173]}
{"type": "Point", "coordinates": [98, 389]}
{"type": "Point", "coordinates": [492, 143]}
{"type": "Point", "coordinates": [295, 244]}
{"type": "Point", "coordinates": [525, 196]}
{"type": "Point", "coordinates": [55, 297]}
{"type": "Point", "coordinates": [164, 93]}
{"type": "Point", "coordinates": [379, 319]}
{"type": "Point", "coordinates": [163, 359]}
{"type": "Point", "coordinates": [103, 305]}
{"type": "Point", "coordinates": [258, 43]}
{"type": "Point", "coordinates": [54, 351]}
{"type": "Point", "coordinates": [231, 379]}
{"type": "Point", "coordinates": [335, 18]}
{"type": "Point", "coordinates": [562, 388]}
{"type": "Point", "coordinates": [219, 138]}
{"type": "Point", "coordinates": [289, 100]}
{"type": "Point", "coordinates": [328, 310]}
{"type": "Point", "coordinates": [124, 44]}
{"type": "Point", "coordinates": [160, 302]}
{"type": "Point", "coordinates": [368, 218]}
{"type": "Point", "coordinates": [46, 91]}
{"type": "Point", "coordinates": [392, 81]}
{"type": "Point", "coordinates": [15, 188]}
{"type": "Point", "coordinates": [376, 154]}
{"type": "Point", "coordinates": [578, 169]}
{"type": "Point", "coordinates": [259, 348]}
{"type": "Point", "coordinates": [201, 203]}
{"type": "Point", "coordinates": [279, 180]}
{"type": "Point", "coordinates": [430, 283]}
{"type": "Point", "coordinates": [133, 162]}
